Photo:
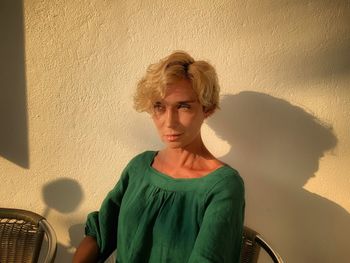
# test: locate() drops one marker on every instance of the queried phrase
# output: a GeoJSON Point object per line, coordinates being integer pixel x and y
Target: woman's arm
{"type": "Point", "coordinates": [101, 227]}
{"type": "Point", "coordinates": [87, 252]}
{"type": "Point", "coordinates": [220, 236]}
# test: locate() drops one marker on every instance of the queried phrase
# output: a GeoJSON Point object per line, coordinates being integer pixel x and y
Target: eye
{"type": "Point", "coordinates": [184, 106]}
{"type": "Point", "coordinates": [158, 107]}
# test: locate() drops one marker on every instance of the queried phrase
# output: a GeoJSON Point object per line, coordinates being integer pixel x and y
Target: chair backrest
{"type": "Point", "coordinates": [21, 236]}
{"type": "Point", "coordinates": [252, 244]}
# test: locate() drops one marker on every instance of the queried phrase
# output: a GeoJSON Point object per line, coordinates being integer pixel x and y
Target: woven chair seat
{"type": "Point", "coordinates": [21, 236]}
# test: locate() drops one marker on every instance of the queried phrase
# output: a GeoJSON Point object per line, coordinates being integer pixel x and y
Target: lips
{"type": "Point", "coordinates": [172, 137]}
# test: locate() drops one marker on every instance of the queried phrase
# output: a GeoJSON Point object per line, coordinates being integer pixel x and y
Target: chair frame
{"type": "Point", "coordinates": [252, 243]}
{"type": "Point", "coordinates": [11, 216]}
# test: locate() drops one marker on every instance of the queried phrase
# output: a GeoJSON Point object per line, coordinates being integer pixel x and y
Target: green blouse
{"type": "Point", "coordinates": [152, 217]}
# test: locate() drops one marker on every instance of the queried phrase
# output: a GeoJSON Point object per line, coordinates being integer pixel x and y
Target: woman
{"type": "Point", "coordinates": [179, 204]}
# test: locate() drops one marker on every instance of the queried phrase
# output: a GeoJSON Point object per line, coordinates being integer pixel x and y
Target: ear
{"type": "Point", "coordinates": [207, 112]}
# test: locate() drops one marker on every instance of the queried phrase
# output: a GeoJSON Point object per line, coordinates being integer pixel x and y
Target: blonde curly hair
{"type": "Point", "coordinates": [179, 65]}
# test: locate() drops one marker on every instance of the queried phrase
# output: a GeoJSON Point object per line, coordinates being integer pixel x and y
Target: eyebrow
{"type": "Point", "coordinates": [186, 101]}
{"type": "Point", "coordinates": [179, 102]}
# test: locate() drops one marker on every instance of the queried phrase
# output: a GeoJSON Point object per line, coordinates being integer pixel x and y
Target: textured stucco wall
{"type": "Point", "coordinates": [283, 65]}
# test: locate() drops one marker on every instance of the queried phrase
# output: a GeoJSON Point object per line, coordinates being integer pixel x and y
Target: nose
{"type": "Point", "coordinates": [171, 118]}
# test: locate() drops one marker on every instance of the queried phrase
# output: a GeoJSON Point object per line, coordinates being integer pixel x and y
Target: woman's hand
{"type": "Point", "coordinates": [87, 252]}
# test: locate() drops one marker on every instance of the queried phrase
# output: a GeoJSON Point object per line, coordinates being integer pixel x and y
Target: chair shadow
{"type": "Point", "coordinates": [277, 147]}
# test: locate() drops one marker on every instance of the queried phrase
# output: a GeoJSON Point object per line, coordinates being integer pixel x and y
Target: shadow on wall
{"type": "Point", "coordinates": [76, 234]}
{"type": "Point", "coordinates": [13, 112]}
{"type": "Point", "coordinates": [276, 147]}
{"type": "Point", "coordinates": [65, 195]}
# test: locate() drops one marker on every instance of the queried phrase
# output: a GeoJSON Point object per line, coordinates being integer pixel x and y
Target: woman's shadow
{"type": "Point", "coordinates": [276, 147]}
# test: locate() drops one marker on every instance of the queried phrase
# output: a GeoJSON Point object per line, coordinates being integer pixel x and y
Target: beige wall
{"type": "Point", "coordinates": [284, 67]}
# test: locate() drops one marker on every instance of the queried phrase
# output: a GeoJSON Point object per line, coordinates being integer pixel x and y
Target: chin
{"type": "Point", "coordinates": [174, 145]}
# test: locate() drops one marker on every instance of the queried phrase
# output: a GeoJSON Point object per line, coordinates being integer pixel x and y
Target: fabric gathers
{"type": "Point", "coordinates": [151, 217]}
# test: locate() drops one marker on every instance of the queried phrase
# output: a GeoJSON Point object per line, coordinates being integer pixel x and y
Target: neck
{"type": "Point", "coordinates": [187, 162]}
{"type": "Point", "coordinates": [186, 156]}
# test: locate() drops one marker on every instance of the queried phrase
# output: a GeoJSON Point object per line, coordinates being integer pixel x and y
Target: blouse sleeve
{"type": "Point", "coordinates": [220, 236]}
{"type": "Point", "coordinates": [103, 224]}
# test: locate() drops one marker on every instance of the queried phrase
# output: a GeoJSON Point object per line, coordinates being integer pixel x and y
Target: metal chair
{"type": "Point", "coordinates": [21, 237]}
{"type": "Point", "coordinates": [252, 243]}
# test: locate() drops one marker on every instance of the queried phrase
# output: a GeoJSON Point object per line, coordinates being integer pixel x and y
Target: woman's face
{"type": "Point", "coordinates": [179, 116]}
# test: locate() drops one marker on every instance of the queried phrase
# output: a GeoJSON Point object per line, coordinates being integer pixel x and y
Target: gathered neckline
{"type": "Point", "coordinates": [174, 179]}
